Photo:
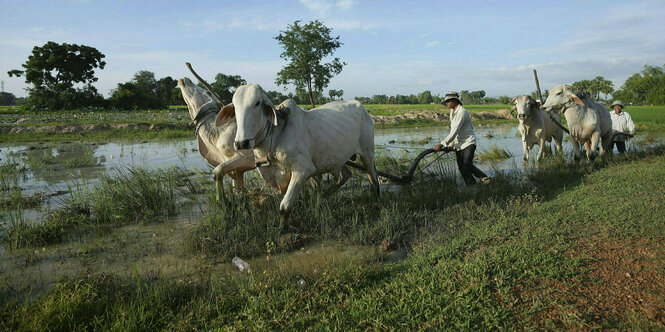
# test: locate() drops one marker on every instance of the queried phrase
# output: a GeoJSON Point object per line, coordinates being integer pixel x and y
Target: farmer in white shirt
{"type": "Point", "coordinates": [461, 139]}
{"type": "Point", "coordinates": [621, 123]}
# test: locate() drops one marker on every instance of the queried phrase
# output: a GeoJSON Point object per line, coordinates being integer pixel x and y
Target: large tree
{"type": "Point", "coordinates": [53, 69]}
{"type": "Point", "coordinates": [305, 47]}
{"type": "Point", "coordinates": [646, 87]}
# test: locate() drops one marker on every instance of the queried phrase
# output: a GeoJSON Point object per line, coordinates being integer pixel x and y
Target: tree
{"type": "Point", "coordinates": [535, 95]}
{"type": "Point", "coordinates": [305, 46]}
{"type": "Point", "coordinates": [594, 87]}
{"type": "Point", "coordinates": [646, 87]}
{"type": "Point", "coordinates": [226, 85]}
{"type": "Point", "coordinates": [53, 69]}
{"type": "Point", "coordinates": [7, 99]}
{"type": "Point", "coordinates": [505, 100]}
{"type": "Point", "coordinates": [425, 97]}
{"type": "Point", "coordinates": [332, 93]}
{"type": "Point", "coordinates": [145, 81]}
{"type": "Point", "coordinates": [144, 91]}
{"type": "Point", "coordinates": [276, 97]}
{"type": "Point", "coordinates": [166, 88]}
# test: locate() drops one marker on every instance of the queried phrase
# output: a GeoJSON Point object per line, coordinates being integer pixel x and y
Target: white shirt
{"type": "Point", "coordinates": [621, 123]}
{"type": "Point", "coordinates": [461, 130]}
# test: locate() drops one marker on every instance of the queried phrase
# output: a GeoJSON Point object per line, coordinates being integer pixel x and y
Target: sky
{"type": "Point", "coordinates": [390, 47]}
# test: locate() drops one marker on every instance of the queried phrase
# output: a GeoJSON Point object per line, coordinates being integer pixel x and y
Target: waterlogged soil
{"type": "Point", "coordinates": [157, 249]}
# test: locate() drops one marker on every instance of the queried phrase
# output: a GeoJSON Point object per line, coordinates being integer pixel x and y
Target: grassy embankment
{"type": "Point", "coordinates": [176, 123]}
{"type": "Point", "coordinates": [576, 247]}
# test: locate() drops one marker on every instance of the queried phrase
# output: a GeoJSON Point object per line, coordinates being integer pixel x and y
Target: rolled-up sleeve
{"type": "Point", "coordinates": [631, 125]}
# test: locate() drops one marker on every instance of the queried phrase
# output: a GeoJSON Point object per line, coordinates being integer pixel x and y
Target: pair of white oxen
{"type": "Point", "coordinates": [297, 144]}
{"type": "Point", "coordinates": [589, 122]}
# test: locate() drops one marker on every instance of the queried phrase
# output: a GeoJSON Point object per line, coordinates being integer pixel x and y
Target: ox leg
{"type": "Point", "coordinates": [559, 148]}
{"type": "Point", "coordinates": [344, 175]}
{"type": "Point", "coordinates": [238, 166]}
{"type": "Point", "coordinates": [541, 150]}
{"type": "Point", "coordinates": [576, 151]}
{"type": "Point", "coordinates": [605, 144]}
{"type": "Point", "coordinates": [368, 162]}
{"type": "Point", "coordinates": [219, 187]}
{"type": "Point", "coordinates": [591, 146]}
{"type": "Point", "coordinates": [238, 179]}
{"type": "Point", "coordinates": [298, 178]}
{"type": "Point", "coordinates": [526, 151]}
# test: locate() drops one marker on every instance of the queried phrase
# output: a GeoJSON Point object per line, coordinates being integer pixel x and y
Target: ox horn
{"type": "Point", "coordinates": [207, 86]}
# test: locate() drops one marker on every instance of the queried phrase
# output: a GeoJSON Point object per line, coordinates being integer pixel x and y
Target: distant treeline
{"type": "Point", "coordinates": [60, 76]}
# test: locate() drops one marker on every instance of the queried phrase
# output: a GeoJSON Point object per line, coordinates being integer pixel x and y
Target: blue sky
{"type": "Point", "coordinates": [391, 47]}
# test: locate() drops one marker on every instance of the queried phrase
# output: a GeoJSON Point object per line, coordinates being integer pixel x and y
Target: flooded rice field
{"type": "Point", "coordinates": [47, 176]}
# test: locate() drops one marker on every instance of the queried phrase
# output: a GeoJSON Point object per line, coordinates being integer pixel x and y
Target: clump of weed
{"type": "Point", "coordinates": [136, 194]}
{"type": "Point", "coordinates": [14, 198]}
{"type": "Point", "coordinates": [63, 223]}
{"type": "Point", "coordinates": [86, 160]}
{"type": "Point", "coordinates": [10, 173]}
{"type": "Point", "coordinates": [494, 153]}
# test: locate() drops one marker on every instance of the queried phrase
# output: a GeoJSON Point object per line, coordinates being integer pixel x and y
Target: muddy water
{"type": "Point", "coordinates": [158, 248]}
{"type": "Point", "coordinates": [52, 167]}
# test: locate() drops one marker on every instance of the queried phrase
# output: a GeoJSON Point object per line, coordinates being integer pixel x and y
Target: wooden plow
{"type": "Point", "coordinates": [404, 179]}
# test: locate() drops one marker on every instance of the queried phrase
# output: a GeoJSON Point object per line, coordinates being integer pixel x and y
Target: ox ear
{"type": "Point", "coordinates": [225, 115]}
{"type": "Point", "coordinates": [269, 109]}
{"type": "Point", "coordinates": [512, 101]}
{"type": "Point", "coordinates": [271, 113]}
{"type": "Point", "coordinates": [577, 100]}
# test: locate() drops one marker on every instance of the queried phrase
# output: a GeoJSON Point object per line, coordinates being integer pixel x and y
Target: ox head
{"type": "Point", "coordinates": [197, 98]}
{"type": "Point", "coordinates": [561, 95]}
{"type": "Point", "coordinates": [525, 106]}
{"type": "Point", "coordinates": [254, 114]}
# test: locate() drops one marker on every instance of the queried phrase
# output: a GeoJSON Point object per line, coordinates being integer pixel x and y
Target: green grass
{"type": "Point", "coordinates": [483, 262]}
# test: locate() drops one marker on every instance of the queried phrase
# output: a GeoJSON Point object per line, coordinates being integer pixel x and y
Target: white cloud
{"type": "Point", "coordinates": [319, 6]}
{"type": "Point", "coordinates": [322, 7]}
{"type": "Point", "coordinates": [348, 25]}
{"type": "Point", "coordinates": [346, 4]}
{"type": "Point", "coordinates": [433, 43]}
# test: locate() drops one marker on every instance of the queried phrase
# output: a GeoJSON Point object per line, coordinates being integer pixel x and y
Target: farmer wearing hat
{"type": "Point", "coordinates": [461, 139]}
{"type": "Point", "coordinates": [621, 123]}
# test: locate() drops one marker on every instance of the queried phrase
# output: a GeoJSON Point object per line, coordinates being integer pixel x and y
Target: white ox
{"type": "Point", "coordinates": [588, 123]}
{"type": "Point", "coordinates": [215, 143]}
{"type": "Point", "coordinates": [536, 127]}
{"type": "Point", "coordinates": [302, 144]}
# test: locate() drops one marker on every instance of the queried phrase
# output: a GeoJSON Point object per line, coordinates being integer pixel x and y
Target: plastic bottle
{"type": "Point", "coordinates": [241, 265]}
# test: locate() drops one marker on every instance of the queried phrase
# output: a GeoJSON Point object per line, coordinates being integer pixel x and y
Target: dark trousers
{"type": "Point", "coordinates": [466, 167]}
{"type": "Point", "coordinates": [621, 146]}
